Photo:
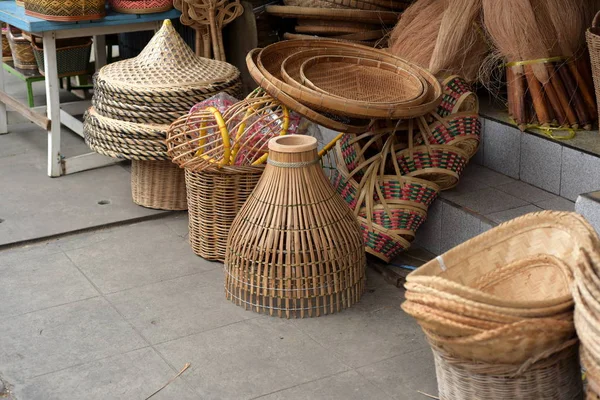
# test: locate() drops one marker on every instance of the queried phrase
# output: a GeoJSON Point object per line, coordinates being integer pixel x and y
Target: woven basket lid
{"type": "Point", "coordinates": [167, 63]}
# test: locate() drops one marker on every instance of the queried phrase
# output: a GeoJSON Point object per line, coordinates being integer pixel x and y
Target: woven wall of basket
{"type": "Point", "coordinates": [295, 249]}
{"type": "Point", "coordinates": [222, 146]}
{"type": "Point", "coordinates": [66, 10]}
{"type": "Point", "coordinates": [391, 174]}
{"type": "Point", "coordinates": [498, 309]}
{"type": "Point", "coordinates": [136, 99]}
{"type": "Point", "coordinates": [20, 48]}
{"type": "Point", "coordinates": [6, 53]}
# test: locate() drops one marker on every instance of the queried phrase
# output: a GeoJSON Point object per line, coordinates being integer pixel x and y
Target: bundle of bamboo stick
{"type": "Point", "coordinates": [549, 81]}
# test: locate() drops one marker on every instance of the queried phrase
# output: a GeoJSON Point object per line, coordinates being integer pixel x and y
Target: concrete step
{"type": "Point", "coordinates": [566, 168]}
{"type": "Point", "coordinates": [483, 199]}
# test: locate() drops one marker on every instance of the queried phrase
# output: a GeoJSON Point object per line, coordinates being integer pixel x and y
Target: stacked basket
{"type": "Point", "coordinates": [357, 21]}
{"type": "Point", "coordinates": [498, 311]}
{"type": "Point", "coordinates": [222, 146]}
{"type": "Point", "coordinates": [586, 293]}
{"type": "Point", "coordinates": [135, 100]}
{"type": "Point", "coordinates": [390, 175]}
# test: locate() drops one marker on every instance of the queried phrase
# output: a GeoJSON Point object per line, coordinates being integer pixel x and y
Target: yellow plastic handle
{"type": "Point", "coordinates": [224, 135]}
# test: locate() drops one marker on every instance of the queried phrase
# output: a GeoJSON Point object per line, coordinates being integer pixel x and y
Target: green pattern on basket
{"type": "Point", "coordinates": [344, 188]}
{"type": "Point", "coordinates": [381, 243]}
{"type": "Point", "coordinates": [400, 219]}
{"type": "Point", "coordinates": [69, 60]}
{"type": "Point", "coordinates": [350, 156]}
{"type": "Point", "coordinates": [458, 126]}
{"type": "Point", "coordinates": [452, 91]}
{"type": "Point", "coordinates": [439, 158]}
{"type": "Point", "coordinates": [419, 192]}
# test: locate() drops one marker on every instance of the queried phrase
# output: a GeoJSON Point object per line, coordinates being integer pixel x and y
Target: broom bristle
{"type": "Point", "coordinates": [458, 43]}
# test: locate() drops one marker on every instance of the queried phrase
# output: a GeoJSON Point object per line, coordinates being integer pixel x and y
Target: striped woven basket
{"type": "Point", "coordinates": [21, 50]}
{"type": "Point", "coordinates": [457, 97]}
{"type": "Point", "coordinates": [462, 130]}
{"type": "Point", "coordinates": [141, 6]}
{"type": "Point", "coordinates": [440, 164]}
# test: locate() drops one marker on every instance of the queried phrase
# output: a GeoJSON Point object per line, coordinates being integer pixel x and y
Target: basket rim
{"type": "Point", "coordinates": [294, 104]}
{"type": "Point", "coordinates": [390, 17]}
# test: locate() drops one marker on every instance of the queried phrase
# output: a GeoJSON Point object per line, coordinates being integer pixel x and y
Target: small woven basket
{"type": "Point", "coordinates": [66, 10]}
{"type": "Point", "coordinates": [593, 40]}
{"type": "Point", "coordinates": [458, 97]}
{"type": "Point", "coordinates": [21, 50]}
{"type": "Point", "coordinates": [6, 54]}
{"type": "Point", "coordinates": [71, 59]}
{"type": "Point", "coordinates": [555, 377]}
{"type": "Point", "coordinates": [158, 184]}
{"type": "Point", "coordinates": [214, 199]}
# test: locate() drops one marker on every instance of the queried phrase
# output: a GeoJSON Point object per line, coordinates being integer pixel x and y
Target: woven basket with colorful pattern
{"type": "Point", "coordinates": [20, 48]}
{"type": "Point", "coordinates": [6, 54]}
{"type": "Point", "coordinates": [462, 130]}
{"type": "Point", "coordinates": [457, 97]}
{"type": "Point", "coordinates": [66, 10]}
{"type": "Point", "coordinates": [140, 6]}
{"type": "Point", "coordinates": [381, 243]}
{"type": "Point", "coordinates": [440, 164]}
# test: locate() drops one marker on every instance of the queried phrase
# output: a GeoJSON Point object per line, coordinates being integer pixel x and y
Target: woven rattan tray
{"type": "Point", "coordinates": [328, 121]}
{"type": "Point", "coordinates": [271, 58]}
{"type": "Point", "coordinates": [384, 17]}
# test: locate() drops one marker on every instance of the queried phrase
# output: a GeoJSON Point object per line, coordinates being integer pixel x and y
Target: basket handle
{"type": "Point", "coordinates": [224, 135]}
{"type": "Point", "coordinates": [596, 20]}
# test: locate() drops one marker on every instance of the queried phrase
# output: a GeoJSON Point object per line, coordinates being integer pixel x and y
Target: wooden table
{"type": "Point", "coordinates": [57, 114]}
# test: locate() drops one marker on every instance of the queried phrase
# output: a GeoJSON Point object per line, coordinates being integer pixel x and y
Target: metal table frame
{"type": "Point", "coordinates": [58, 114]}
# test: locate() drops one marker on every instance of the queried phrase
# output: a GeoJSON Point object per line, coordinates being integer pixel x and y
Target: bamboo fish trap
{"type": "Point", "coordinates": [295, 249]}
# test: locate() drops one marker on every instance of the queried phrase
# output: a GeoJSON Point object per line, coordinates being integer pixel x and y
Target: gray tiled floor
{"type": "Point", "coordinates": [116, 313]}
{"type": "Point", "coordinates": [34, 205]}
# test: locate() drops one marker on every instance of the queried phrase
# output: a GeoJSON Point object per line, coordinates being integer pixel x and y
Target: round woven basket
{"type": "Point", "coordinates": [462, 130]}
{"type": "Point", "coordinates": [214, 199]}
{"type": "Point", "coordinates": [554, 377]}
{"type": "Point", "coordinates": [158, 184]}
{"type": "Point", "coordinates": [330, 121]}
{"type": "Point", "coordinates": [386, 17]}
{"type": "Point", "coordinates": [458, 97]}
{"type": "Point", "coordinates": [295, 249]}
{"type": "Point", "coordinates": [66, 10]}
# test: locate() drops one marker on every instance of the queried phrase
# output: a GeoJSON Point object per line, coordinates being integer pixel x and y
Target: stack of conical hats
{"type": "Point", "coordinates": [135, 100]}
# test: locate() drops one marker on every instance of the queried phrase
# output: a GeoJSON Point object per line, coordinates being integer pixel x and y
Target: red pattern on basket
{"type": "Point", "coordinates": [453, 90]}
{"type": "Point", "coordinates": [410, 191]}
{"type": "Point", "coordinates": [444, 159]}
{"type": "Point", "coordinates": [401, 219]}
{"type": "Point", "coordinates": [458, 126]}
{"type": "Point", "coordinates": [381, 243]}
{"type": "Point", "coordinates": [137, 4]}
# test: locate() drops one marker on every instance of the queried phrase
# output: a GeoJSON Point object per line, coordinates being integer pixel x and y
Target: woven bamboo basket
{"type": "Point", "coordinates": [214, 200]}
{"type": "Point", "coordinates": [140, 6]}
{"type": "Point", "coordinates": [72, 57]}
{"type": "Point", "coordinates": [66, 10]}
{"type": "Point", "coordinates": [158, 184]}
{"type": "Point", "coordinates": [553, 376]}
{"type": "Point", "coordinates": [389, 208]}
{"type": "Point", "coordinates": [6, 54]}
{"type": "Point", "coordinates": [330, 121]}
{"type": "Point", "coordinates": [21, 50]}
{"type": "Point", "coordinates": [271, 58]}
{"type": "Point", "coordinates": [440, 164]}
{"type": "Point", "coordinates": [558, 234]}
{"type": "Point", "coordinates": [593, 41]}
{"type": "Point", "coordinates": [462, 130]}
{"type": "Point", "coordinates": [295, 249]}
{"type": "Point", "coordinates": [458, 97]}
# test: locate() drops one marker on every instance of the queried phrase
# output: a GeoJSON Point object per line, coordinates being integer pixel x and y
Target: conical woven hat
{"type": "Point", "coordinates": [168, 63]}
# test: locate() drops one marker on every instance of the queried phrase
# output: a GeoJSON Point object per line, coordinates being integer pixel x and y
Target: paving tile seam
{"type": "Point", "coordinates": [394, 356]}
{"type": "Point", "coordinates": [333, 352]}
{"type": "Point", "coordinates": [203, 331]}
{"type": "Point", "coordinates": [300, 384]}
{"type": "Point", "coordinates": [8, 317]}
{"type": "Point", "coordinates": [110, 225]}
{"type": "Point", "coordinates": [158, 282]}
{"type": "Point", "coordinates": [85, 363]}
